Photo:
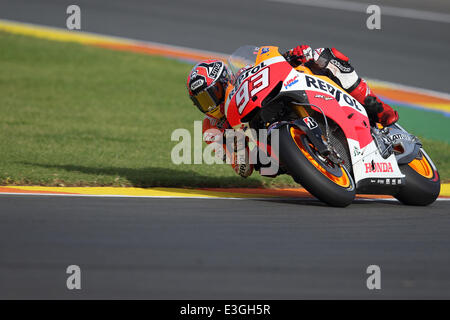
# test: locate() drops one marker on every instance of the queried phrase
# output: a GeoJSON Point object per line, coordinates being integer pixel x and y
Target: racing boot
{"type": "Point", "coordinates": [377, 110]}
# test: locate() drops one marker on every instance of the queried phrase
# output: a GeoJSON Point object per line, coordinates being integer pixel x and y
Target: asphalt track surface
{"type": "Point", "coordinates": [233, 249]}
{"type": "Point", "coordinates": [221, 249]}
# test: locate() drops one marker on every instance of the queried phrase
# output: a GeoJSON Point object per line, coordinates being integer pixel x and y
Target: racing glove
{"type": "Point", "coordinates": [240, 157]}
{"type": "Point", "coordinates": [240, 164]}
{"type": "Point", "coordinates": [299, 55]}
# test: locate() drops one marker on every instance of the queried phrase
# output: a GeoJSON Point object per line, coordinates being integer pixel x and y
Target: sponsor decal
{"type": "Point", "coordinates": [212, 68]}
{"type": "Point", "coordinates": [264, 50]}
{"type": "Point", "coordinates": [317, 53]}
{"type": "Point", "coordinates": [386, 140]}
{"type": "Point", "coordinates": [388, 182]}
{"type": "Point", "coordinates": [224, 73]}
{"type": "Point", "coordinates": [323, 97]}
{"type": "Point", "coordinates": [197, 84]}
{"type": "Point", "coordinates": [401, 136]}
{"type": "Point", "coordinates": [194, 74]}
{"type": "Point", "coordinates": [356, 151]}
{"type": "Point", "coordinates": [379, 167]}
{"type": "Point", "coordinates": [246, 73]}
{"type": "Point", "coordinates": [215, 70]}
{"type": "Point", "coordinates": [340, 66]}
{"type": "Point", "coordinates": [290, 82]}
{"type": "Point", "coordinates": [328, 88]}
{"type": "Point", "coordinates": [308, 53]}
{"type": "Point", "coordinates": [310, 122]}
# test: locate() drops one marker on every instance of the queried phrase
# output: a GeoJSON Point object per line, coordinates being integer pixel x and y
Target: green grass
{"type": "Point", "coordinates": [440, 153]}
{"type": "Point", "coordinates": [76, 115]}
{"type": "Point", "coordinates": [431, 125]}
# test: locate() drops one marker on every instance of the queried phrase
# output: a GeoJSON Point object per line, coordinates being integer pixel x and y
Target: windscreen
{"type": "Point", "coordinates": [243, 57]}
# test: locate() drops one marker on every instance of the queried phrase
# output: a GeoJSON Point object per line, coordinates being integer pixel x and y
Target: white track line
{"type": "Point", "coordinates": [362, 7]}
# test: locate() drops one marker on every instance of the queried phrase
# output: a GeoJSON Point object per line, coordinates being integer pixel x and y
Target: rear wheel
{"type": "Point", "coordinates": [330, 183]}
{"type": "Point", "coordinates": [422, 184]}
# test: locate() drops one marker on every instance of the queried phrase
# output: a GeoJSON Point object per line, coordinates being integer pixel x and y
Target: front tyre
{"type": "Point", "coordinates": [325, 180]}
{"type": "Point", "coordinates": [422, 184]}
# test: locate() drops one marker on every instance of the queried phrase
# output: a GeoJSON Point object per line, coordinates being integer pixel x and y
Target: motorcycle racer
{"type": "Point", "coordinates": [207, 84]}
{"type": "Point", "coordinates": [208, 81]}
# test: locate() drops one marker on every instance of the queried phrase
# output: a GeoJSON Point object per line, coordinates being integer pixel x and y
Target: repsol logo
{"type": "Point", "coordinates": [379, 167]}
{"type": "Point", "coordinates": [250, 71]}
{"type": "Point", "coordinates": [328, 88]}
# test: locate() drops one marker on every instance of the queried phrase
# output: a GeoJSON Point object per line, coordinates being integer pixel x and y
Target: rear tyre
{"type": "Point", "coordinates": [422, 183]}
{"type": "Point", "coordinates": [328, 182]}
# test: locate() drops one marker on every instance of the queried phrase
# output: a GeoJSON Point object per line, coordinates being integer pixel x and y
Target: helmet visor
{"type": "Point", "coordinates": [208, 99]}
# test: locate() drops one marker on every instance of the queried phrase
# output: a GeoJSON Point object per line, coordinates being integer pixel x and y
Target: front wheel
{"type": "Point", "coordinates": [325, 180]}
{"type": "Point", "coordinates": [422, 184]}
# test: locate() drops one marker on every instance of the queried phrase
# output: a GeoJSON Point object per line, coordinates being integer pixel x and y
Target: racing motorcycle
{"type": "Point", "coordinates": [325, 139]}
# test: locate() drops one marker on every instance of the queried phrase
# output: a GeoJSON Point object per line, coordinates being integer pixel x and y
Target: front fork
{"type": "Point", "coordinates": [315, 134]}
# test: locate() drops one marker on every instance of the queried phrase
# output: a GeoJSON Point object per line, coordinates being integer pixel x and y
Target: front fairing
{"type": "Point", "coordinates": [256, 72]}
